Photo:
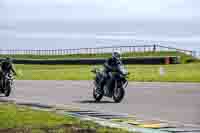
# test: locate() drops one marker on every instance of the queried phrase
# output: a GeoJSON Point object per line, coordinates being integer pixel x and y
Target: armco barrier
{"type": "Point", "coordinates": [96, 61]}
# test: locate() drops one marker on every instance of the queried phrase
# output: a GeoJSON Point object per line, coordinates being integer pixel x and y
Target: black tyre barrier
{"type": "Point", "coordinates": [96, 61]}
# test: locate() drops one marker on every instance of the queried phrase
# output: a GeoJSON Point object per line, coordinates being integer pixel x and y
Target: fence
{"type": "Point", "coordinates": [98, 50]}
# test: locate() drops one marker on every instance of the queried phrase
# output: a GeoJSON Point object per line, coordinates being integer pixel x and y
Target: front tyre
{"type": "Point", "coordinates": [97, 96]}
{"type": "Point", "coordinates": [118, 94]}
{"type": "Point", "coordinates": [8, 89]}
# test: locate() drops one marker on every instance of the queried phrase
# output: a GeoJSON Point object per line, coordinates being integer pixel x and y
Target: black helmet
{"type": "Point", "coordinates": [116, 54]}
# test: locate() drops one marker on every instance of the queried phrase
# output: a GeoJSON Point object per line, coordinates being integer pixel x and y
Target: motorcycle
{"type": "Point", "coordinates": [114, 87]}
{"type": "Point", "coordinates": [6, 84]}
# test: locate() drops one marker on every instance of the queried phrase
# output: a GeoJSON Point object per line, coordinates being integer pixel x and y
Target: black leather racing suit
{"type": "Point", "coordinates": [6, 68]}
{"type": "Point", "coordinates": [110, 65]}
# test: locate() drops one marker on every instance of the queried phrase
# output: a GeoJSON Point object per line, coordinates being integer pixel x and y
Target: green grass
{"type": "Point", "coordinates": [172, 73]}
{"type": "Point", "coordinates": [14, 117]}
{"type": "Point", "coordinates": [184, 58]}
{"type": "Point", "coordinates": [54, 72]}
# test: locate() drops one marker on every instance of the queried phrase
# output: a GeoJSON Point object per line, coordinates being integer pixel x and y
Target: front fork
{"type": "Point", "coordinates": [97, 86]}
{"type": "Point", "coordinates": [119, 84]}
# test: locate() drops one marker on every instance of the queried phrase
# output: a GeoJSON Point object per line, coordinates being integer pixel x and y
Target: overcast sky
{"type": "Point", "coordinates": [99, 9]}
{"type": "Point", "coordinates": [12, 11]}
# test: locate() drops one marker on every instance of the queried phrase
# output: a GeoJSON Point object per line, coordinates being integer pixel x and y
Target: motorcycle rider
{"type": "Point", "coordinates": [109, 66]}
{"type": "Point", "coordinates": [6, 68]}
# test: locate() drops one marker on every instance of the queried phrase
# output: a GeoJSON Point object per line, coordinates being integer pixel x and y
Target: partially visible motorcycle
{"type": "Point", "coordinates": [114, 86]}
{"type": "Point", "coordinates": [6, 84]}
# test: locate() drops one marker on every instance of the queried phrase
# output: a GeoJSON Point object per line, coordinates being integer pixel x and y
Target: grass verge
{"type": "Point", "coordinates": [184, 58]}
{"type": "Point", "coordinates": [163, 73]}
{"type": "Point", "coordinates": [23, 119]}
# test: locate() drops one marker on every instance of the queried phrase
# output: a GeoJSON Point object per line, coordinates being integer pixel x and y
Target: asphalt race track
{"type": "Point", "coordinates": [175, 102]}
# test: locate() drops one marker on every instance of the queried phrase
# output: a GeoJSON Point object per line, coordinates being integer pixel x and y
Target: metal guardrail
{"type": "Point", "coordinates": [98, 50]}
{"type": "Point", "coordinates": [96, 61]}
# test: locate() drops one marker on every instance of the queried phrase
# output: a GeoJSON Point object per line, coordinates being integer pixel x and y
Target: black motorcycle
{"type": "Point", "coordinates": [114, 86]}
{"type": "Point", "coordinates": [6, 84]}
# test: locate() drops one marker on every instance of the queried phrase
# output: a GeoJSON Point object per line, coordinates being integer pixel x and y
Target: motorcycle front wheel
{"type": "Point", "coordinates": [8, 89]}
{"type": "Point", "coordinates": [118, 94]}
{"type": "Point", "coordinates": [97, 97]}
